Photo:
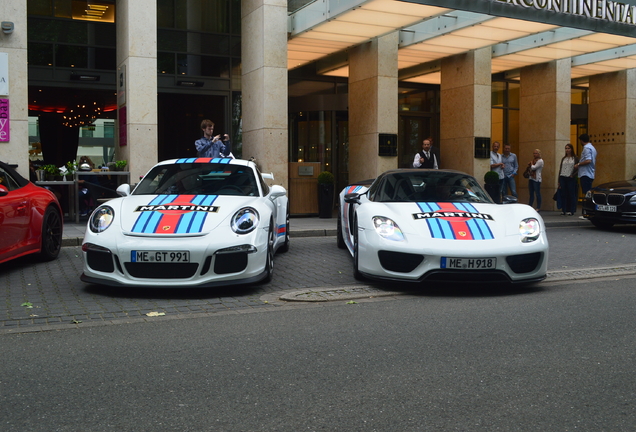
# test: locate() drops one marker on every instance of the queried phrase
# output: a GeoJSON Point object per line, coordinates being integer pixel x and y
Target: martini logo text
{"type": "Point", "coordinates": [178, 207]}
{"type": "Point", "coordinates": [451, 214]}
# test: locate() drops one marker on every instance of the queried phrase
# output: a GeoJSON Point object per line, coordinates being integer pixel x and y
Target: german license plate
{"type": "Point", "coordinates": [160, 256]}
{"type": "Point", "coordinates": [606, 208]}
{"type": "Point", "coordinates": [468, 263]}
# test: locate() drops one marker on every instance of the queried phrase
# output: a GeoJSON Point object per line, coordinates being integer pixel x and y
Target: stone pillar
{"type": "Point", "coordinates": [544, 110]}
{"type": "Point", "coordinates": [264, 85]}
{"type": "Point", "coordinates": [137, 67]}
{"type": "Point", "coordinates": [465, 110]}
{"type": "Point", "coordinates": [611, 113]}
{"type": "Point", "coordinates": [373, 97]}
{"type": "Point", "coordinates": [16, 150]}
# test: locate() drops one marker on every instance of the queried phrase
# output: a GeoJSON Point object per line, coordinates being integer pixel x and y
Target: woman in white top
{"type": "Point", "coordinates": [534, 182]}
{"type": "Point", "coordinates": [567, 181]}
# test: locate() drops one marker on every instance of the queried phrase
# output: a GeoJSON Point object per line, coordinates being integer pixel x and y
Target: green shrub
{"type": "Point", "coordinates": [325, 177]}
{"type": "Point", "coordinates": [491, 177]}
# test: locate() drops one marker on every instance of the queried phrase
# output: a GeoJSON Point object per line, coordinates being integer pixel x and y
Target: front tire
{"type": "Point", "coordinates": [339, 238]}
{"type": "Point", "coordinates": [285, 246]}
{"type": "Point", "coordinates": [51, 234]}
{"type": "Point", "coordinates": [269, 260]}
{"type": "Point", "coordinates": [356, 255]}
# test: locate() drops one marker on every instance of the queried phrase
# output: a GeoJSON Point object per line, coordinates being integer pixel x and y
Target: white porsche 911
{"type": "Point", "coordinates": [195, 222]}
{"type": "Point", "coordinates": [441, 226]}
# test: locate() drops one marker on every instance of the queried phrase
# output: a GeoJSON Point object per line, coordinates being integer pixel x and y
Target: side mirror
{"type": "Point", "coordinates": [509, 199]}
{"type": "Point", "coordinates": [352, 198]}
{"type": "Point", "coordinates": [3, 191]}
{"type": "Point", "coordinates": [277, 191]}
{"type": "Point", "coordinates": [123, 190]}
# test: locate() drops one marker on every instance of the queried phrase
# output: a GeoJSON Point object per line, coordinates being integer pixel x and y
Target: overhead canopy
{"type": "Point", "coordinates": [597, 35]}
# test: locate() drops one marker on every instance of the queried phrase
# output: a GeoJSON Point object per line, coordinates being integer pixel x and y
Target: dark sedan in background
{"type": "Point", "coordinates": [611, 203]}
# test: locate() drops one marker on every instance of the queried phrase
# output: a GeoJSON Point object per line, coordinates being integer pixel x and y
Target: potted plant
{"type": "Point", "coordinates": [68, 170]}
{"type": "Point", "coordinates": [325, 194]}
{"type": "Point", "coordinates": [491, 183]}
{"type": "Point", "coordinates": [120, 165]}
{"type": "Point", "coordinates": [51, 171]}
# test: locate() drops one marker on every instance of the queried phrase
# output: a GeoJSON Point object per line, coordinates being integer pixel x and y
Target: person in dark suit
{"type": "Point", "coordinates": [425, 158]}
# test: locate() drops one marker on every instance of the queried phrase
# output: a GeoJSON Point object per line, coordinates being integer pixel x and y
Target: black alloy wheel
{"type": "Point", "coordinates": [51, 234]}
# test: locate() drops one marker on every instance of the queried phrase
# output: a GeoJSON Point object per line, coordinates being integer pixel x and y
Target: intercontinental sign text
{"type": "Point", "coordinates": [596, 9]}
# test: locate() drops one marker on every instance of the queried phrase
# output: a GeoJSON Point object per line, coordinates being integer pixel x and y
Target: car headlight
{"type": "Point", "coordinates": [588, 194]}
{"type": "Point", "coordinates": [245, 220]}
{"type": "Point", "coordinates": [529, 229]}
{"type": "Point", "coordinates": [632, 200]}
{"type": "Point", "coordinates": [101, 219]}
{"type": "Point", "coordinates": [387, 229]}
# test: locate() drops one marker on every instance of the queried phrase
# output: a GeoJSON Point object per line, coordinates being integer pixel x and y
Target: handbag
{"type": "Point", "coordinates": [526, 173]}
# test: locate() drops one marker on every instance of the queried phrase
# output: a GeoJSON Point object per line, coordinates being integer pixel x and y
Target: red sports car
{"type": "Point", "coordinates": [30, 218]}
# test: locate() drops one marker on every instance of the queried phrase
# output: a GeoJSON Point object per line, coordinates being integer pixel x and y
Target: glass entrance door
{"type": "Point", "coordinates": [412, 130]}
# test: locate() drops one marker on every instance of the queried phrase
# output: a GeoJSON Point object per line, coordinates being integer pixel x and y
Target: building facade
{"type": "Point", "coordinates": [350, 87]}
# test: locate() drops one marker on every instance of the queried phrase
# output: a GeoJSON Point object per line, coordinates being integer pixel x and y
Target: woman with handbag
{"type": "Point", "coordinates": [567, 181]}
{"type": "Point", "coordinates": [534, 182]}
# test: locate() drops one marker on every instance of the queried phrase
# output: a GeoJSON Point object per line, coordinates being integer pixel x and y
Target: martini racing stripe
{"type": "Point", "coordinates": [192, 222]}
{"type": "Point", "coordinates": [455, 228]}
{"type": "Point", "coordinates": [353, 189]}
{"type": "Point", "coordinates": [183, 222]}
{"type": "Point", "coordinates": [204, 160]}
{"type": "Point", "coordinates": [151, 218]}
{"type": "Point", "coordinates": [281, 230]}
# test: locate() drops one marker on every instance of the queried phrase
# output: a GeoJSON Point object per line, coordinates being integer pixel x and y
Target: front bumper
{"type": "Point", "coordinates": [620, 216]}
{"type": "Point", "coordinates": [216, 259]}
{"type": "Point", "coordinates": [421, 260]}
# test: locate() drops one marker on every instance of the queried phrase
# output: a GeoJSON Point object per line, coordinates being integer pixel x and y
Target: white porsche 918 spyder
{"type": "Point", "coordinates": [195, 222]}
{"type": "Point", "coordinates": [439, 225]}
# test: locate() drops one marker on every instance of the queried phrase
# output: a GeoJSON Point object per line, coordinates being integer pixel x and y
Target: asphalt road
{"type": "Point", "coordinates": [50, 296]}
{"type": "Point", "coordinates": [556, 358]}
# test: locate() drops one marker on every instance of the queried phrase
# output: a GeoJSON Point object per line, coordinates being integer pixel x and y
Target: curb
{"type": "Point", "coordinates": [366, 291]}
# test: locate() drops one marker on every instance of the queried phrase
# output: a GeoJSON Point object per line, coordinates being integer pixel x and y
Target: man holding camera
{"type": "Point", "coordinates": [210, 146]}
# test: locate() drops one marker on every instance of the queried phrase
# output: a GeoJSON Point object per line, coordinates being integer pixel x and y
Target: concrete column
{"type": "Point", "coordinates": [264, 85]}
{"type": "Point", "coordinates": [465, 110]}
{"type": "Point", "coordinates": [137, 63]}
{"type": "Point", "coordinates": [544, 110]}
{"type": "Point", "coordinates": [373, 96]}
{"type": "Point", "coordinates": [611, 113]}
{"type": "Point", "coordinates": [16, 150]}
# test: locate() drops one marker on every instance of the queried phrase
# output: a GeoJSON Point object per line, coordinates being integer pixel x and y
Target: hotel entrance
{"type": "Point", "coordinates": [318, 141]}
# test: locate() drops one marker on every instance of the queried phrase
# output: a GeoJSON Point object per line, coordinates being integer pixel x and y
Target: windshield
{"type": "Point", "coordinates": [199, 179]}
{"type": "Point", "coordinates": [430, 186]}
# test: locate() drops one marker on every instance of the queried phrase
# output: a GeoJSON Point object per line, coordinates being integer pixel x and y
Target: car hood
{"type": "Point", "coordinates": [456, 221]}
{"type": "Point", "coordinates": [176, 214]}
{"type": "Point", "coordinates": [622, 186]}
